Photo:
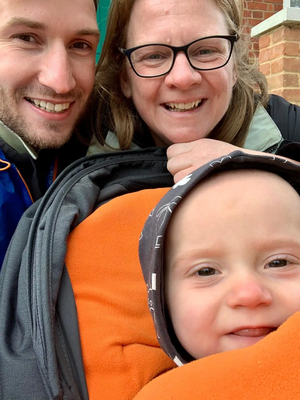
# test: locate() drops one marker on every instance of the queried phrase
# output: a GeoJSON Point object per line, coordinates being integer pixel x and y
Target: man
{"type": "Point", "coordinates": [47, 69]}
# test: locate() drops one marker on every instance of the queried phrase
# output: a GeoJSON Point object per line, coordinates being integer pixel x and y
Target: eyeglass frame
{"type": "Point", "coordinates": [177, 49]}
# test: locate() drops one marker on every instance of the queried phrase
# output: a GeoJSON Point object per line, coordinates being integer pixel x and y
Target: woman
{"type": "Point", "coordinates": [208, 92]}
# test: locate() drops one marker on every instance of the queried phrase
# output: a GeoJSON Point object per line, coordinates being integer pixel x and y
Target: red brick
{"type": "Point", "coordinates": [276, 51]}
{"type": "Point", "coordinates": [279, 92]}
{"type": "Point", "coordinates": [265, 69]}
{"type": "Point", "coordinates": [257, 6]}
{"type": "Point", "coordinates": [292, 34]}
{"type": "Point", "coordinates": [277, 66]}
{"type": "Point", "coordinates": [257, 14]}
{"type": "Point", "coordinates": [291, 64]}
{"type": "Point", "coordinates": [270, 8]}
{"type": "Point", "coordinates": [275, 81]}
{"type": "Point", "coordinates": [278, 7]}
{"type": "Point", "coordinates": [291, 49]}
{"type": "Point", "coordinates": [264, 41]}
{"type": "Point", "coordinates": [291, 80]}
{"type": "Point", "coordinates": [292, 95]}
{"type": "Point", "coordinates": [264, 55]}
{"type": "Point", "coordinates": [255, 45]}
{"type": "Point", "coordinates": [268, 15]}
{"type": "Point", "coordinates": [278, 34]}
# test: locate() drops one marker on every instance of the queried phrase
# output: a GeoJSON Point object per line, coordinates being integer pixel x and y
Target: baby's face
{"type": "Point", "coordinates": [233, 261]}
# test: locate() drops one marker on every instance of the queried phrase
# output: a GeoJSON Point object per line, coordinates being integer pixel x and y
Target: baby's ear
{"type": "Point", "coordinates": [267, 370]}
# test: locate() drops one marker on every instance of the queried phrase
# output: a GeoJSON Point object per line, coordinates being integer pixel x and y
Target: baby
{"type": "Point", "coordinates": [221, 257]}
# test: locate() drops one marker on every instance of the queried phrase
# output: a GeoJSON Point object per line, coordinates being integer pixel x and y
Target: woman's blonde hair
{"type": "Point", "coordinates": [111, 110]}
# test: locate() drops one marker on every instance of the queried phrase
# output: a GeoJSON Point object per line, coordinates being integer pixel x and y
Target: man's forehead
{"type": "Point", "coordinates": [38, 14]}
{"type": "Point", "coordinates": [27, 5]}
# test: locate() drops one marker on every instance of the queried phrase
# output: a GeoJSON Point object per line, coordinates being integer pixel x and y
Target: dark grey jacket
{"type": "Point", "coordinates": [40, 352]}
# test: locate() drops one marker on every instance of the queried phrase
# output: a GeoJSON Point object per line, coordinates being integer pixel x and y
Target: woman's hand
{"type": "Point", "coordinates": [184, 158]}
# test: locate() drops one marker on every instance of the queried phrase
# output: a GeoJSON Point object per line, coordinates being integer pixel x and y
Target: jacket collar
{"type": "Point", "coordinates": [14, 141]}
{"type": "Point", "coordinates": [263, 133]}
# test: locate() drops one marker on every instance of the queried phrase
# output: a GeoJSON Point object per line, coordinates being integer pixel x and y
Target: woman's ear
{"type": "Point", "coordinates": [125, 84]}
{"type": "Point", "coordinates": [234, 75]}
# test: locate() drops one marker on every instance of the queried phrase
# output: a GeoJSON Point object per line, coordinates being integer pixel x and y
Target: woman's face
{"type": "Point", "coordinates": [178, 22]}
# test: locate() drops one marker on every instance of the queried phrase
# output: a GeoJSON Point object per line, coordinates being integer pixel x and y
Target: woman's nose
{"type": "Point", "coordinates": [249, 292]}
{"type": "Point", "coordinates": [182, 75]}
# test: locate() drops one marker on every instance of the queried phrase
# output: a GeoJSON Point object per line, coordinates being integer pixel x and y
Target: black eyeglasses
{"type": "Point", "coordinates": [153, 60]}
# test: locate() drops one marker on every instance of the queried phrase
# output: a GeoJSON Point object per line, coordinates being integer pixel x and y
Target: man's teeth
{"type": "Point", "coordinates": [183, 106]}
{"type": "Point", "coordinates": [50, 107]}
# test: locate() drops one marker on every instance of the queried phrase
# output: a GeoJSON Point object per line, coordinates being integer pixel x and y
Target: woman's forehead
{"type": "Point", "coordinates": [174, 22]}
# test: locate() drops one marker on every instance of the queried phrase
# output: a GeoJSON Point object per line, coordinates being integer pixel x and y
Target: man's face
{"type": "Point", "coordinates": [47, 67]}
{"type": "Point", "coordinates": [233, 262]}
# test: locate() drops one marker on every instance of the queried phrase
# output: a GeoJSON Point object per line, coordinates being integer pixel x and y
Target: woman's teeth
{"type": "Point", "coordinates": [183, 106]}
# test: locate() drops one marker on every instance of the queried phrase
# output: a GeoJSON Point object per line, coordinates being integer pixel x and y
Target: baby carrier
{"type": "Point", "coordinates": [40, 352]}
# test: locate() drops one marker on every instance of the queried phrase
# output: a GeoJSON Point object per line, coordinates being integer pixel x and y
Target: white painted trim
{"type": "Point", "coordinates": [289, 15]}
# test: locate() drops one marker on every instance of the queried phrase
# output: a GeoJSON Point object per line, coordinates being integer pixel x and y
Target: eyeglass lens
{"type": "Point", "coordinates": [204, 54]}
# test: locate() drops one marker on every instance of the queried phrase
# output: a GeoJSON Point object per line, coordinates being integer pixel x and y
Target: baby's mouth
{"type": "Point", "coordinates": [181, 107]}
{"type": "Point", "coordinates": [254, 332]}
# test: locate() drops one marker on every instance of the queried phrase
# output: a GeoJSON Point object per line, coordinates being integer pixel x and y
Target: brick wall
{"type": "Point", "coordinates": [277, 48]}
{"type": "Point", "coordinates": [279, 60]}
{"type": "Point", "coordinates": [256, 12]}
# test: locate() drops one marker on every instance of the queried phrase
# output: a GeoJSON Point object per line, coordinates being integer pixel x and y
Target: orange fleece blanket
{"type": "Point", "coordinates": [119, 345]}
{"type": "Point", "coordinates": [120, 350]}
{"type": "Point", "coordinates": [268, 370]}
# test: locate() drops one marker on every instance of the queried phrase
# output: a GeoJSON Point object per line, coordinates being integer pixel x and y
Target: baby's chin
{"type": "Point", "coordinates": [245, 338]}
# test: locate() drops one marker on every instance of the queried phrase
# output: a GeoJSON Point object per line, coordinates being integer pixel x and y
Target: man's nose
{"type": "Point", "coordinates": [249, 291]}
{"type": "Point", "coordinates": [56, 70]}
{"type": "Point", "coordinates": [182, 75]}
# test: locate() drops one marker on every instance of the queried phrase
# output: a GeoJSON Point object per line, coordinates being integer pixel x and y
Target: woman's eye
{"type": "Point", "coordinates": [206, 51]}
{"type": "Point", "coordinates": [278, 263]}
{"type": "Point", "coordinates": [206, 271]}
{"type": "Point", "coordinates": [154, 56]}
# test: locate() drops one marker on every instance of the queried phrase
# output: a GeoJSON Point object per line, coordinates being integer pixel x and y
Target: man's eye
{"type": "Point", "coordinates": [278, 263]}
{"type": "Point", "coordinates": [206, 271]}
{"type": "Point", "coordinates": [81, 46]}
{"type": "Point", "coordinates": [25, 37]}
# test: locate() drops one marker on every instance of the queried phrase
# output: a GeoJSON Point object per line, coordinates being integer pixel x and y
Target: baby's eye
{"type": "Point", "coordinates": [207, 271]}
{"type": "Point", "coordinates": [278, 263]}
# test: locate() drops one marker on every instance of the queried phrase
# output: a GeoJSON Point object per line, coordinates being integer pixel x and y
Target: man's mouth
{"type": "Point", "coordinates": [48, 106]}
{"type": "Point", "coordinates": [181, 107]}
{"type": "Point", "coordinates": [254, 332]}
